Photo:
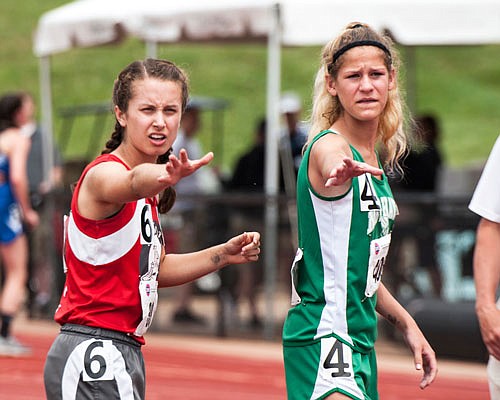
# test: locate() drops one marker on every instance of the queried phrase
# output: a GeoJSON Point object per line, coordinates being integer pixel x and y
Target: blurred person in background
{"type": "Point", "coordinates": [421, 169]}
{"type": "Point", "coordinates": [485, 202]}
{"type": "Point", "coordinates": [191, 209]}
{"type": "Point", "coordinates": [15, 210]}
{"type": "Point", "coordinates": [42, 247]}
{"type": "Point", "coordinates": [423, 163]}
{"type": "Point", "coordinates": [293, 136]}
{"type": "Point", "coordinates": [248, 177]}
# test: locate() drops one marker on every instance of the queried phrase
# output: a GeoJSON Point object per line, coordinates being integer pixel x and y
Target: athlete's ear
{"type": "Point", "coordinates": [392, 79]}
{"type": "Point", "coordinates": [330, 85]}
{"type": "Point", "coordinates": [120, 117]}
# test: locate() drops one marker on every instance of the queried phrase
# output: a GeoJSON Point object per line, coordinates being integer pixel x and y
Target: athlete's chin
{"type": "Point", "coordinates": [156, 151]}
{"type": "Point", "coordinates": [368, 115]}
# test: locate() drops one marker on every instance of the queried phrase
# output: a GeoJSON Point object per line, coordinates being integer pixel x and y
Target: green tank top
{"type": "Point", "coordinates": [343, 244]}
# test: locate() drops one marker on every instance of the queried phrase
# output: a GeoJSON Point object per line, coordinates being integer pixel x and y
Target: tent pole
{"type": "Point", "coordinates": [48, 163]}
{"type": "Point", "coordinates": [46, 113]}
{"type": "Point", "coordinates": [271, 182]}
{"type": "Point", "coordinates": [151, 49]}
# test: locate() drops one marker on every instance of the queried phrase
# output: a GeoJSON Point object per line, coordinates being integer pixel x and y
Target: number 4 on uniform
{"type": "Point", "coordinates": [368, 199]}
{"type": "Point", "coordinates": [340, 365]}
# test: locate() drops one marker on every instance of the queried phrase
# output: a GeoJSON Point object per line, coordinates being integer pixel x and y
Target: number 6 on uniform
{"type": "Point", "coordinates": [95, 360]}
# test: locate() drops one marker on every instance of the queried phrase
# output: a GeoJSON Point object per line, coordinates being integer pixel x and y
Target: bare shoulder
{"type": "Point", "coordinates": [331, 144]}
{"type": "Point", "coordinates": [107, 171]}
{"type": "Point", "coordinates": [11, 139]}
{"type": "Point", "coordinates": [95, 198]}
{"type": "Point", "coordinates": [328, 154]}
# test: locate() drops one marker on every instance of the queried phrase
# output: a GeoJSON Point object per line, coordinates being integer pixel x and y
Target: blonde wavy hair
{"type": "Point", "coordinates": [328, 109]}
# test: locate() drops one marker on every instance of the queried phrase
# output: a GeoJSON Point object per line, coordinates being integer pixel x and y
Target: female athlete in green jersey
{"type": "Point", "coordinates": [346, 212]}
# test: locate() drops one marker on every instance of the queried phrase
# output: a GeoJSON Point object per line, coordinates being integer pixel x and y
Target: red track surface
{"type": "Point", "coordinates": [189, 372]}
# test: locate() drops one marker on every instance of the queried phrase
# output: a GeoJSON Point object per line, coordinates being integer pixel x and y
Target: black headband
{"type": "Point", "coordinates": [349, 46]}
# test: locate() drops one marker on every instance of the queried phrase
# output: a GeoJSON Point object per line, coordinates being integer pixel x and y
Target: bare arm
{"type": "Point", "coordinates": [487, 279]}
{"type": "Point", "coordinates": [109, 185]}
{"type": "Point", "coordinates": [19, 147]}
{"type": "Point", "coordinates": [423, 353]}
{"type": "Point", "coordinates": [177, 269]}
{"type": "Point", "coordinates": [348, 169]}
{"type": "Point", "coordinates": [145, 185]}
{"type": "Point", "coordinates": [327, 154]}
{"type": "Point", "coordinates": [332, 166]}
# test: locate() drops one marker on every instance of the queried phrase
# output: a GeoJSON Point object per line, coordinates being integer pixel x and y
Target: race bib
{"type": "Point", "coordinates": [378, 254]}
{"type": "Point", "coordinates": [150, 264]}
{"type": "Point", "coordinates": [148, 290]}
{"type": "Point", "coordinates": [65, 232]}
{"type": "Point", "coordinates": [368, 200]}
{"type": "Point", "coordinates": [294, 272]}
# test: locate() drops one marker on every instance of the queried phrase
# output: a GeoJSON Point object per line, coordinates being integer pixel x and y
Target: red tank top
{"type": "Point", "coordinates": [112, 266]}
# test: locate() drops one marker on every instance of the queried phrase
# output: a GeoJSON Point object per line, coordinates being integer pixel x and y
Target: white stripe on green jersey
{"type": "Point", "coordinates": [343, 242]}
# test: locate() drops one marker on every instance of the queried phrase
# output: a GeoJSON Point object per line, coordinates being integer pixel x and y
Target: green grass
{"type": "Point", "coordinates": [461, 85]}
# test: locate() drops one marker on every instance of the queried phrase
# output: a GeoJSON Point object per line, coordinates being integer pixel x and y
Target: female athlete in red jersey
{"type": "Point", "coordinates": [114, 248]}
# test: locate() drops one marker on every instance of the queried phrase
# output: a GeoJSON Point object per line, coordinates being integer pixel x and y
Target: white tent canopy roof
{"type": "Point", "coordinates": [86, 23]}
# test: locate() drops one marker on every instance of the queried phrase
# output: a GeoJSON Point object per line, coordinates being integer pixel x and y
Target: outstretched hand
{"type": "Point", "coordinates": [350, 169]}
{"type": "Point", "coordinates": [178, 168]}
{"type": "Point", "coordinates": [243, 248]}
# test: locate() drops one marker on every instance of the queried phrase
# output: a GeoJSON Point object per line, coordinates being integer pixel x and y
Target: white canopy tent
{"type": "Point", "coordinates": [86, 23]}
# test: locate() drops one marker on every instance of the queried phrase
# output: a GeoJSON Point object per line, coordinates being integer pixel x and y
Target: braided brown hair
{"type": "Point", "coordinates": [123, 92]}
